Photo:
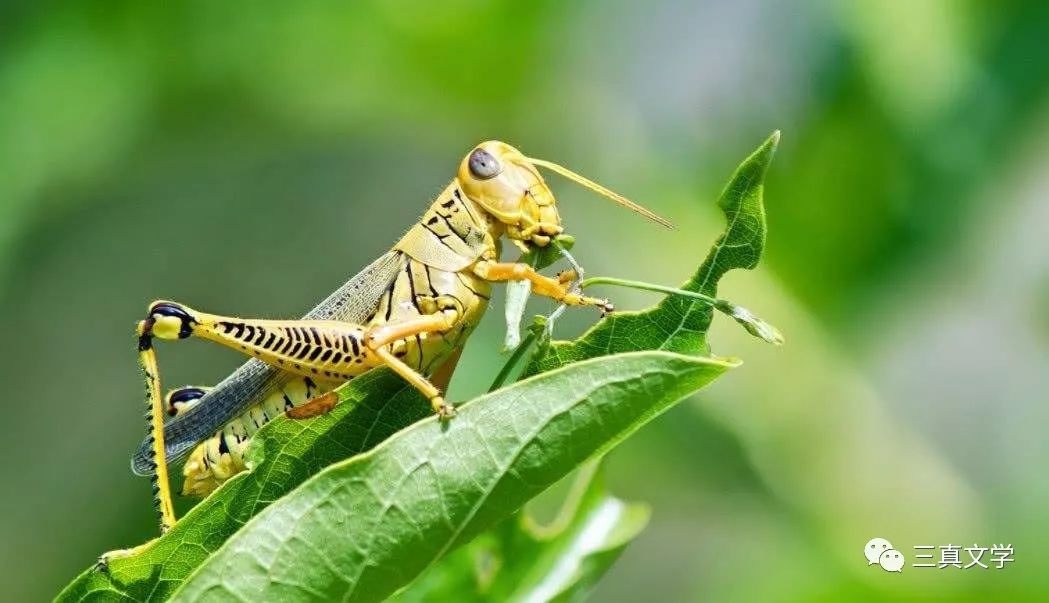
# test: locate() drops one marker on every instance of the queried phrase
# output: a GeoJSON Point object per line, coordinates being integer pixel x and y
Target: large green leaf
{"type": "Point", "coordinates": [285, 453]}
{"type": "Point", "coordinates": [367, 526]}
{"type": "Point", "coordinates": [519, 560]}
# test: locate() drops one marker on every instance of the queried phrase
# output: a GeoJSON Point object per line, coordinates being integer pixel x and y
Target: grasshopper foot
{"type": "Point", "coordinates": [102, 565]}
{"type": "Point", "coordinates": [443, 409]}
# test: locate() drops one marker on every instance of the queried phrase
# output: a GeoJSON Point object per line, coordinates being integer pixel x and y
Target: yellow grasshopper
{"type": "Point", "coordinates": [410, 310]}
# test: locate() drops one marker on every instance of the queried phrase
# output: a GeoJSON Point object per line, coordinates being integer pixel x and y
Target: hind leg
{"type": "Point", "coordinates": [179, 400]}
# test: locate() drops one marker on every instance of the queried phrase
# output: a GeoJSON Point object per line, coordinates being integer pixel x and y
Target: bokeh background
{"type": "Point", "coordinates": [246, 157]}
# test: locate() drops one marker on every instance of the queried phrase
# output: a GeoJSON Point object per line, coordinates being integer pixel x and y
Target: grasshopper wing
{"type": "Point", "coordinates": [254, 380]}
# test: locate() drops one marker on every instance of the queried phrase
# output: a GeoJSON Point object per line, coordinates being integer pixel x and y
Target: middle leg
{"type": "Point", "coordinates": [379, 337]}
{"type": "Point", "coordinates": [379, 340]}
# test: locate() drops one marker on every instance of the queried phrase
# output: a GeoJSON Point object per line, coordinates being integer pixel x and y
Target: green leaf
{"type": "Point", "coordinates": [542, 257]}
{"type": "Point", "coordinates": [519, 560]}
{"type": "Point", "coordinates": [284, 453]}
{"type": "Point", "coordinates": [679, 324]}
{"type": "Point", "coordinates": [367, 526]}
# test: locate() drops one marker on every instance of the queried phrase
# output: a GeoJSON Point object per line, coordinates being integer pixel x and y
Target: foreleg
{"type": "Point", "coordinates": [541, 285]}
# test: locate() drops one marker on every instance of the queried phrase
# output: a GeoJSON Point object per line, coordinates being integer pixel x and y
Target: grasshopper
{"type": "Point", "coordinates": [411, 310]}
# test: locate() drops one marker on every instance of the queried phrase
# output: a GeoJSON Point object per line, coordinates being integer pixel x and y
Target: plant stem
{"type": "Point", "coordinates": [512, 361]}
{"type": "Point", "coordinates": [753, 325]}
{"type": "Point", "coordinates": [608, 280]}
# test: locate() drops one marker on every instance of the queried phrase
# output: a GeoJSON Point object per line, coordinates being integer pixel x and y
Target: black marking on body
{"type": "Point", "coordinates": [451, 227]}
{"type": "Point", "coordinates": [469, 209]}
{"type": "Point", "coordinates": [419, 348]}
{"type": "Point", "coordinates": [466, 284]}
{"type": "Point", "coordinates": [440, 237]}
{"type": "Point", "coordinates": [462, 307]}
{"type": "Point", "coordinates": [411, 285]}
{"type": "Point", "coordinates": [389, 300]}
{"type": "Point", "coordinates": [429, 280]}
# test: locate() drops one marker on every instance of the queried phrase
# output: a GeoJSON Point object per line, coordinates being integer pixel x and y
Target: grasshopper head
{"type": "Point", "coordinates": [507, 185]}
{"type": "Point", "coordinates": [501, 180]}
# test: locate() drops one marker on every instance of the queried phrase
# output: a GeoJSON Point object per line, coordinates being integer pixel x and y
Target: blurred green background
{"type": "Point", "coordinates": [245, 158]}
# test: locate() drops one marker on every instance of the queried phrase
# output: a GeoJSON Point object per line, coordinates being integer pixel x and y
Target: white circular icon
{"type": "Point", "coordinates": [874, 548]}
{"type": "Point", "coordinates": [891, 561]}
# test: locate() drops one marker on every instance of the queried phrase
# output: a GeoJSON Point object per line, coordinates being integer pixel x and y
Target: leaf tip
{"type": "Point", "coordinates": [728, 362]}
{"type": "Point", "coordinates": [767, 149]}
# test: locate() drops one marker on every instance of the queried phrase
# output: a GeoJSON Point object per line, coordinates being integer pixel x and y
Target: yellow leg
{"type": "Point", "coordinates": [377, 338]}
{"type": "Point", "coordinates": [155, 414]}
{"type": "Point", "coordinates": [324, 403]}
{"type": "Point", "coordinates": [541, 285]}
{"type": "Point", "coordinates": [442, 408]}
{"type": "Point", "coordinates": [320, 348]}
{"type": "Point", "coordinates": [443, 375]}
{"type": "Point", "coordinates": [324, 349]}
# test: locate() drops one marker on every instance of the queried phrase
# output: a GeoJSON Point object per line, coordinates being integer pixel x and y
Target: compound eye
{"type": "Point", "coordinates": [483, 166]}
